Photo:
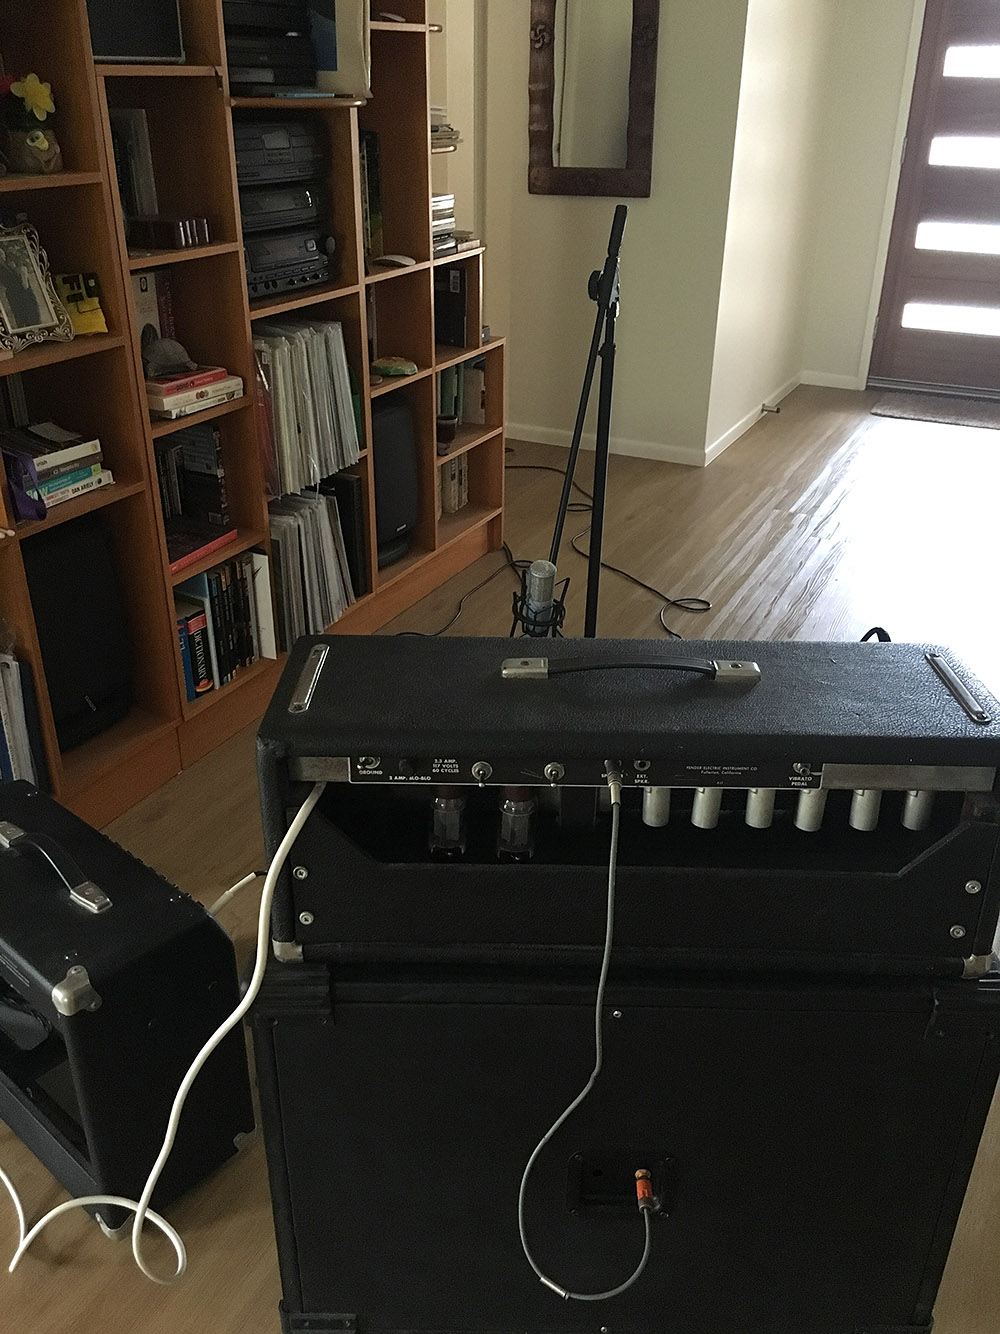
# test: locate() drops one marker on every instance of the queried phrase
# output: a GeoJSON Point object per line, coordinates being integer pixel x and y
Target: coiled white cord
{"type": "Point", "coordinates": [614, 783]}
{"type": "Point", "coordinates": [141, 1207]}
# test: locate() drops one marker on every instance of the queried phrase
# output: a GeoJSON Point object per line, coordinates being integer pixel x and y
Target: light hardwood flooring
{"type": "Point", "coordinates": [819, 523]}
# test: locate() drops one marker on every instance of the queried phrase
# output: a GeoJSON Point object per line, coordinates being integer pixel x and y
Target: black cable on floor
{"type": "Point", "coordinates": [696, 604]}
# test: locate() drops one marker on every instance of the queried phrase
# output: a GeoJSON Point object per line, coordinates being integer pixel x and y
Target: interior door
{"type": "Point", "coordinates": [939, 316]}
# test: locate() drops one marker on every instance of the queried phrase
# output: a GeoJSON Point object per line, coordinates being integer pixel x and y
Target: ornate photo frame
{"type": "Point", "coordinates": [30, 310]}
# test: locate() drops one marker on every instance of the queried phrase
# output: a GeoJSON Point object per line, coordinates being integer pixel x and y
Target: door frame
{"type": "Point", "coordinates": [891, 190]}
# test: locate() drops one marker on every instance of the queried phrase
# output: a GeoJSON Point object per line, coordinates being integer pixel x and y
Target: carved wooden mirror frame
{"type": "Point", "coordinates": [629, 182]}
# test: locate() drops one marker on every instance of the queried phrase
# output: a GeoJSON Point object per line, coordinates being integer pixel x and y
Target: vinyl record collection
{"type": "Point", "coordinates": [312, 576]}
{"type": "Point", "coordinates": [308, 408]}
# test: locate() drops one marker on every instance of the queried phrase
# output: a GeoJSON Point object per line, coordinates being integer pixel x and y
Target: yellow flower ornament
{"type": "Point", "coordinates": [35, 95]}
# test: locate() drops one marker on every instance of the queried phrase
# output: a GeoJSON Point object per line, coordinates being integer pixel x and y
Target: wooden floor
{"type": "Point", "coordinates": [817, 524]}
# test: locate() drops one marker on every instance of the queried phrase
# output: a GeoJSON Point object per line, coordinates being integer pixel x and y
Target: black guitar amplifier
{"type": "Point", "coordinates": [111, 981]}
{"type": "Point", "coordinates": [799, 1035]}
{"type": "Point", "coordinates": [835, 812]}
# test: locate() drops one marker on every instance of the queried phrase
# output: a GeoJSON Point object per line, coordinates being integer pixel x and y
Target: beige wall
{"type": "Point", "coordinates": [543, 248]}
{"type": "Point", "coordinates": [873, 54]}
{"type": "Point", "coordinates": [766, 266]}
{"type": "Point", "coordinates": [753, 262]}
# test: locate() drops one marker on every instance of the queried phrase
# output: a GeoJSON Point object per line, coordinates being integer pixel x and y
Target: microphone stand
{"type": "Point", "coordinates": [604, 288]}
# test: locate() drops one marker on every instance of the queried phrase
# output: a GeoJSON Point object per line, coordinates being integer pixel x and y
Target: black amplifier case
{"type": "Point", "coordinates": [791, 1046]}
{"type": "Point", "coordinates": [101, 1014]}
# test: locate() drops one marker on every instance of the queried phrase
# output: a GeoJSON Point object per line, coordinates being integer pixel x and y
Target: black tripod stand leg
{"type": "Point", "coordinates": [600, 475]}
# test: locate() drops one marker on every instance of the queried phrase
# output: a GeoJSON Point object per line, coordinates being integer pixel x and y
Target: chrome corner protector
{"type": "Point", "coordinates": [287, 951]}
{"type": "Point", "coordinates": [978, 965]}
{"type": "Point", "coordinates": [75, 993]}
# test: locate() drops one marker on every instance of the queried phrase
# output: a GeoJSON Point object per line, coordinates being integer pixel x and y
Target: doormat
{"type": "Point", "coordinates": [939, 408]}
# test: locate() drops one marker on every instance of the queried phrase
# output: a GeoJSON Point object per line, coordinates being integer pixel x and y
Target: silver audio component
{"type": "Point", "coordinates": [760, 807]}
{"type": "Point", "coordinates": [917, 807]}
{"type": "Point", "coordinates": [810, 808]}
{"type": "Point", "coordinates": [655, 806]}
{"type": "Point", "coordinates": [865, 805]}
{"type": "Point", "coordinates": [706, 807]}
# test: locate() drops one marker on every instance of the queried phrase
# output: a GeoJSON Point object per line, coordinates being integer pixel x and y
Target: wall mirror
{"type": "Point", "coordinates": [591, 87]}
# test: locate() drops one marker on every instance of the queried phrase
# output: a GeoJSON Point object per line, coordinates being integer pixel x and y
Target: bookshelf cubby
{"type": "Point", "coordinates": [94, 384]}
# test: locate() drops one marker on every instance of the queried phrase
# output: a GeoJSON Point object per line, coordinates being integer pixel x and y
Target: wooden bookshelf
{"type": "Point", "coordinates": [95, 384]}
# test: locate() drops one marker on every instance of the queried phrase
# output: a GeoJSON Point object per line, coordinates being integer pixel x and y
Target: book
{"type": "Point", "coordinates": [50, 447]}
{"type": "Point", "coordinates": [196, 591]}
{"type": "Point", "coordinates": [51, 485]}
{"type": "Point", "coordinates": [371, 194]}
{"type": "Point", "coordinates": [13, 720]}
{"type": "Point", "coordinates": [230, 386]}
{"type": "Point", "coordinates": [179, 384]}
{"type": "Point", "coordinates": [262, 600]}
{"type": "Point", "coordinates": [103, 478]}
{"type": "Point", "coordinates": [200, 405]}
{"type": "Point", "coordinates": [196, 629]}
{"type": "Point", "coordinates": [133, 160]}
{"type": "Point", "coordinates": [191, 540]}
{"type": "Point", "coordinates": [185, 648]}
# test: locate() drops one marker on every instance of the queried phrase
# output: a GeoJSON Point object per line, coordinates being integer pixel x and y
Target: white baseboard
{"type": "Point", "coordinates": [728, 437]}
{"type": "Point", "coordinates": [640, 449]}
{"type": "Point", "coordinates": [826, 381]}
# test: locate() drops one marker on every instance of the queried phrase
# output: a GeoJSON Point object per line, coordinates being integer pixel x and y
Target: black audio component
{"type": "Point", "coordinates": [838, 813]}
{"type": "Point", "coordinates": [111, 981]}
{"type": "Point", "coordinates": [279, 206]}
{"type": "Point", "coordinates": [271, 57]}
{"type": "Point", "coordinates": [270, 152]}
{"type": "Point", "coordinates": [394, 455]}
{"type": "Point", "coordinates": [82, 627]}
{"type": "Point", "coordinates": [810, 1146]}
{"type": "Point", "coordinates": [278, 261]}
{"type": "Point", "coordinates": [274, 15]}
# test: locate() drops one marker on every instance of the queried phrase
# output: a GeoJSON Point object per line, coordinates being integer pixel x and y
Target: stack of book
{"type": "Point", "coordinates": [22, 754]}
{"type": "Point", "coordinates": [193, 500]}
{"type": "Point", "coordinates": [66, 464]}
{"type": "Point", "coordinates": [312, 577]}
{"type": "Point", "coordinates": [453, 485]}
{"type": "Point", "coordinates": [309, 400]}
{"type": "Point", "coordinates": [443, 225]}
{"type": "Point", "coordinates": [224, 622]}
{"type": "Point", "coordinates": [173, 396]}
{"type": "Point", "coordinates": [443, 135]}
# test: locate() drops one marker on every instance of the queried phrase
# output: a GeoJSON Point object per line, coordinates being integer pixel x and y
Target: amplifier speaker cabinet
{"type": "Point", "coordinates": [111, 981]}
{"type": "Point", "coordinates": [810, 1143]}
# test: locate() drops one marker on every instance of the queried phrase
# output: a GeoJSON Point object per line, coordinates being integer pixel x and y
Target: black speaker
{"type": "Point", "coordinates": [121, 30]}
{"type": "Point", "coordinates": [394, 450]}
{"type": "Point", "coordinates": [82, 628]}
{"type": "Point", "coordinates": [810, 1147]}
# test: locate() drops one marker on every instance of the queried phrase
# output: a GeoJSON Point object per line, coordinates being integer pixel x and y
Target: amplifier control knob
{"type": "Point", "coordinates": [481, 771]}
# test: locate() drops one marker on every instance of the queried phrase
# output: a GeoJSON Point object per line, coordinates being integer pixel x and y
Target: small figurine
{"type": "Point", "coordinates": [24, 106]}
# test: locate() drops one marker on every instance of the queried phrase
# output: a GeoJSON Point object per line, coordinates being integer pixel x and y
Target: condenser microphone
{"type": "Point", "coordinates": [540, 590]}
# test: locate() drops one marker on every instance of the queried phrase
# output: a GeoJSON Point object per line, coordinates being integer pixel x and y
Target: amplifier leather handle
{"type": "Point", "coordinates": [540, 669]}
{"type": "Point", "coordinates": [81, 890]}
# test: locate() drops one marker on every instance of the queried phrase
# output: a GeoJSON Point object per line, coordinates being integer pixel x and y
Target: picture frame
{"type": "Point", "coordinates": [30, 309]}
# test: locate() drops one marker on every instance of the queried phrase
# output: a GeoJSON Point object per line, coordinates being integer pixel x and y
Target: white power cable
{"type": "Point", "coordinates": [614, 783]}
{"type": "Point", "coordinates": [141, 1207]}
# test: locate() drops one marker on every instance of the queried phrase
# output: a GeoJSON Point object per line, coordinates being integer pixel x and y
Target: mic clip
{"type": "Point", "coordinates": [536, 623]}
